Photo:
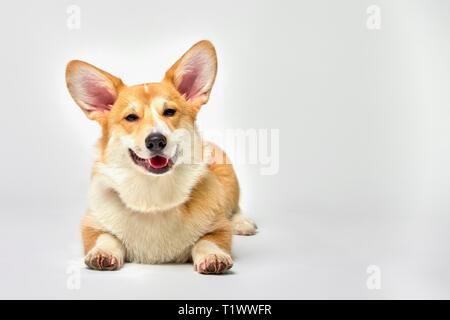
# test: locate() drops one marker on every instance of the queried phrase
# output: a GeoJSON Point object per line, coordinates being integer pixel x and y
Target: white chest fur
{"type": "Point", "coordinates": [151, 226]}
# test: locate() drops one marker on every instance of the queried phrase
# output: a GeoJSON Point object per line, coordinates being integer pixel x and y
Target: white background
{"type": "Point", "coordinates": [364, 121]}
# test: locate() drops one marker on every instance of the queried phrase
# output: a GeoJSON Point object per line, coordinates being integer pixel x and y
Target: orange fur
{"type": "Point", "coordinates": [212, 199]}
{"type": "Point", "coordinates": [227, 177]}
{"type": "Point", "coordinates": [89, 232]}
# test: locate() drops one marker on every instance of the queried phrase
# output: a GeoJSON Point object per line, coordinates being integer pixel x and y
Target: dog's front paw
{"type": "Point", "coordinates": [101, 260]}
{"type": "Point", "coordinates": [213, 263]}
{"type": "Point", "coordinates": [242, 225]}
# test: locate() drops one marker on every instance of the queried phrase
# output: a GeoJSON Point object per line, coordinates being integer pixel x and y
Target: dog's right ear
{"type": "Point", "coordinates": [94, 90]}
{"type": "Point", "coordinates": [194, 73]}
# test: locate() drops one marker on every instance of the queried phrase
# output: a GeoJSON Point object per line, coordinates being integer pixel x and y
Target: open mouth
{"type": "Point", "coordinates": [157, 164]}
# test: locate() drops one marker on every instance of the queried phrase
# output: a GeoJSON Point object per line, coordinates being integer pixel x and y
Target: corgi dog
{"type": "Point", "coordinates": [158, 193]}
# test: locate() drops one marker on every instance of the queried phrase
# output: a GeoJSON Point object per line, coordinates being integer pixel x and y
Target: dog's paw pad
{"type": "Point", "coordinates": [213, 264]}
{"type": "Point", "coordinates": [243, 226]}
{"type": "Point", "coordinates": [103, 261]}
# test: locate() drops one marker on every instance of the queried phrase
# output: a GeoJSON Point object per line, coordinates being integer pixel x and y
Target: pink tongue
{"type": "Point", "coordinates": [157, 162]}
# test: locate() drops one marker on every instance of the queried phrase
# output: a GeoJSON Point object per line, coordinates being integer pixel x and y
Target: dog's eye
{"type": "Point", "coordinates": [131, 117]}
{"type": "Point", "coordinates": [169, 112]}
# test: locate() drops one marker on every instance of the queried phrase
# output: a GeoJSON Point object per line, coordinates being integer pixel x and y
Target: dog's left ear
{"type": "Point", "coordinates": [194, 73]}
{"type": "Point", "coordinates": [94, 90]}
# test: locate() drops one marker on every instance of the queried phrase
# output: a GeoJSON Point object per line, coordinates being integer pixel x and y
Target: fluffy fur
{"type": "Point", "coordinates": [188, 213]}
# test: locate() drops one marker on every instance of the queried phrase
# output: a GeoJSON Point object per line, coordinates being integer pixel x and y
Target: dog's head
{"type": "Point", "coordinates": [149, 126]}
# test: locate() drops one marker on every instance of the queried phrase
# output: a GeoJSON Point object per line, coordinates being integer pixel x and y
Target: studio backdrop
{"type": "Point", "coordinates": [336, 115]}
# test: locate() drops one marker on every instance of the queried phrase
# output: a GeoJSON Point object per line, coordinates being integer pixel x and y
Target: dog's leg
{"type": "Point", "coordinates": [227, 177]}
{"type": "Point", "coordinates": [243, 225]}
{"type": "Point", "coordinates": [211, 253]}
{"type": "Point", "coordinates": [107, 254]}
{"type": "Point", "coordinates": [103, 250]}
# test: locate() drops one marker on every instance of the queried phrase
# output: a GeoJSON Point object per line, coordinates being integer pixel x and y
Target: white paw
{"type": "Point", "coordinates": [98, 259]}
{"type": "Point", "coordinates": [213, 263]}
{"type": "Point", "coordinates": [243, 225]}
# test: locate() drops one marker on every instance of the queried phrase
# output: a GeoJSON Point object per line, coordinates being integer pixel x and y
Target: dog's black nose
{"type": "Point", "coordinates": [155, 142]}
